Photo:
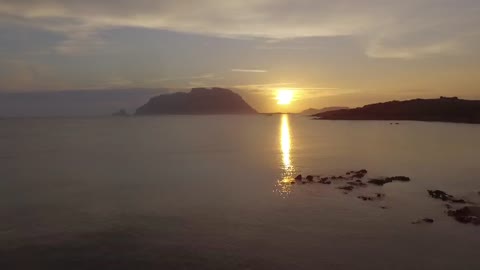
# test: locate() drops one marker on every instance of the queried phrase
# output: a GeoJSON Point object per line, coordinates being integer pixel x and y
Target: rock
{"type": "Point", "coordinates": [427, 220]}
{"type": "Point", "coordinates": [424, 220]}
{"type": "Point", "coordinates": [325, 182]}
{"type": "Point", "coordinates": [377, 196]}
{"type": "Point", "coordinates": [442, 195]}
{"type": "Point", "coordinates": [359, 174]}
{"type": "Point", "coordinates": [438, 194]}
{"type": "Point", "coordinates": [458, 201]}
{"type": "Point", "coordinates": [383, 181]}
{"type": "Point", "coordinates": [298, 177]}
{"type": "Point", "coordinates": [357, 184]}
{"type": "Point", "coordinates": [309, 178]}
{"type": "Point", "coordinates": [366, 198]}
{"type": "Point", "coordinates": [398, 178]}
{"type": "Point", "coordinates": [324, 178]}
{"type": "Point", "coordinates": [378, 181]}
{"type": "Point", "coordinates": [467, 214]}
{"type": "Point", "coordinates": [348, 188]}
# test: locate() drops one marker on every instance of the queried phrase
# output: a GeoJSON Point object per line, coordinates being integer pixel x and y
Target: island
{"type": "Point", "coordinates": [197, 101]}
{"type": "Point", "coordinates": [312, 111]}
{"type": "Point", "coordinates": [443, 109]}
{"type": "Point", "coordinates": [121, 113]}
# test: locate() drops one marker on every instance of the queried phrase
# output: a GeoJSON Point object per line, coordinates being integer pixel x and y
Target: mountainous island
{"type": "Point", "coordinates": [312, 111]}
{"type": "Point", "coordinates": [443, 109]}
{"type": "Point", "coordinates": [197, 101]}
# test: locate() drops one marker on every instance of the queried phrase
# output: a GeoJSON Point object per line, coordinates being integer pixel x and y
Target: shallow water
{"type": "Point", "coordinates": [206, 192]}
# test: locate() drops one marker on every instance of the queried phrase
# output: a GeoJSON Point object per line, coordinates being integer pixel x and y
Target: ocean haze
{"type": "Point", "coordinates": [73, 102]}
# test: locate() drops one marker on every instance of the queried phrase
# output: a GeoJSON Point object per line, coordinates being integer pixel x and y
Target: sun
{"type": "Point", "coordinates": [284, 96]}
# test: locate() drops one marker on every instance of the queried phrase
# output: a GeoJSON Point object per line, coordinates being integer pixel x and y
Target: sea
{"type": "Point", "coordinates": [216, 192]}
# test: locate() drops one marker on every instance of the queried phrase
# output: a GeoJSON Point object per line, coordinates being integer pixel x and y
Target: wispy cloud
{"type": "Point", "coordinates": [264, 86]}
{"type": "Point", "coordinates": [249, 70]}
{"type": "Point", "coordinates": [388, 29]}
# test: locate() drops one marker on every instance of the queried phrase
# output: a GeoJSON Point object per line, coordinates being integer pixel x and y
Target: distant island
{"type": "Point", "coordinates": [121, 113]}
{"type": "Point", "coordinates": [312, 111]}
{"type": "Point", "coordinates": [443, 109]}
{"type": "Point", "coordinates": [197, 101]}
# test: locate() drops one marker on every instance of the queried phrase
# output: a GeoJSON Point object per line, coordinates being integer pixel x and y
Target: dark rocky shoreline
{"type": "Point", "coordinates": [443, 109]}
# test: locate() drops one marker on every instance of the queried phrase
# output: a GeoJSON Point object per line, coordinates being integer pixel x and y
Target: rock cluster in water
{"type": "Point", "coordinates": [467, 214]}
{"type": "Point", "coordinates": [442, 195]}
{"type": "Point", "coordinates": [352, 180]}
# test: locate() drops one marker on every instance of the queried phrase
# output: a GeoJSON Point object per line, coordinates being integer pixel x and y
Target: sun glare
{"type": "Point", "coordinates": [284, 96]}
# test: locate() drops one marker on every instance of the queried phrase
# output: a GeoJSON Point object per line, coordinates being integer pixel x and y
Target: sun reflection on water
{"type": "Point", "coordinates": [284, 183]}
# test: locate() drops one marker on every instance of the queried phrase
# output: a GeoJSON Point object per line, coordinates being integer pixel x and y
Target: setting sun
{"type": "Point", "coordinates": [284, 96]}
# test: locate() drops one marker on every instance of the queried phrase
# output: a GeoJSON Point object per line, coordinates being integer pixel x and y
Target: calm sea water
{"type": "Point", "coordinates": [206, 192]}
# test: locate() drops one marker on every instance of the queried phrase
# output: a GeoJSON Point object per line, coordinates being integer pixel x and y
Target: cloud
{"type": "Point", "coordinates": [440, 25]}
{"type": "Point", "coordinates": [249, 70]}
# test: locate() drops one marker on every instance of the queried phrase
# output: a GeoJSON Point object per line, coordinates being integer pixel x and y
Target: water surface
{"type": "Point", "coordinates": [212, 192]}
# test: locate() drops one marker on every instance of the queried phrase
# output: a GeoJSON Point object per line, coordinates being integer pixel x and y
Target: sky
{"type": "Point", "coordinates": [331, 53]}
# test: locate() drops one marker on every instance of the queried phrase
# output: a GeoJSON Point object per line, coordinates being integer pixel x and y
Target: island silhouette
{"type": "Point", "coordinates": [198, 101]}
{"type": "Point", "coordinates": [312, 111]}
{"type": "Point", "coordinates": [443, 109]}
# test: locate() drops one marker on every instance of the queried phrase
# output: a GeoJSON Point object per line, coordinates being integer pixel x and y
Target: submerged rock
{"type": "Point", "coordinates": [324, 181]}
{"type": "Point", "coordinates": [366, 198]}
{"type": "Point", "coordinates": [358, 174]}
{"type": "Point", "coordinates": [399, 178]}
{"type": "Point", "coordinates": [378, 196]}
{"type": "Point", "coordinates": [424, 220]}
{"type": "Point", "coordinates": [357, 183]}
{"type": "Point", "coordinates": [348, 188]}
